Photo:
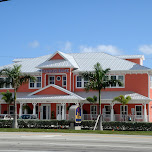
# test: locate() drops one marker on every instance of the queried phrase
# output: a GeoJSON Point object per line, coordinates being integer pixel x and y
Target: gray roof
{"type": "Point", "coordinates": [109, 95]}
{"type": "Point", "coordinates": [82, 61]}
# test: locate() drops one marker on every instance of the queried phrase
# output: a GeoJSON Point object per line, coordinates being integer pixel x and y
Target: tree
{"type": "Point", "coordinates": [124, 100]}
{"type": "Point", "coordinates": [7, 97]}
{"type": "Point", "coordinates": [98, 80]}
{"type": "Point", "coordinates": [16, 78]}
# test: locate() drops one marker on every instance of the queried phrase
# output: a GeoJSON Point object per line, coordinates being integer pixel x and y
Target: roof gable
{"type": "Point", "coordinates": [57, 56]}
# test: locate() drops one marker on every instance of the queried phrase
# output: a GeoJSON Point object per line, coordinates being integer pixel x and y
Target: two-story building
{"type": "Point", "coordinates": [59, 85]}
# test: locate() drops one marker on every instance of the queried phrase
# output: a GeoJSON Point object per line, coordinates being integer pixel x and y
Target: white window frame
{"type": "Point", "coordinates": [107, 115]}
{"type": "Point", "coordinates": [93, 111]}
{"type": "Point", "coordinates": [49, 79]}
{"type": "Point", "coordinates": [5, 84]}
{"type": "Point", "coordinates": [117, 86]}
{"type": "Point", "coordinates": [82, 82]}
{"type": "Point", "coordinates": [64, 81]}
{"type": "Point", "coordinates": [150, 81]}
{"type": "Point", "coordinates": [121, 110]}
{"type": "Point", "coordinates": [35, 83]}
{"type": "Point", "coordinates": [137, 116]}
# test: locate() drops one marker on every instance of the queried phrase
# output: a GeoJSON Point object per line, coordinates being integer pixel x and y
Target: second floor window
{"type": "Point", "coordinates": [52, 79]}
{"type": "Point", "coordinates": [7, 85]}
{"type": "Point", "coordinates": [81, 82]}
{"type": "Point", "coordinates": [64, 80]}
{"type": "Point", "coordinates": [36, 84]}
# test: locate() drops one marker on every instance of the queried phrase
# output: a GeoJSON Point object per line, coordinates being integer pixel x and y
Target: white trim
{"type": "Point", "coordinates": [35, 83]}
{"type": "Point", "coordinates": [105, 109]}
{"type": "Point", "coordinates": [64, 80]}
{"type": "Point", "coordinates": [58, 77]}
{"type": "Point", "coordinates": [122, 111]}
{"type": "Point", "coordinates": [59, 88]}
{"type": "Point", "coordinates": [141, 111]}
{"type": "Point", "coordinates": [49, 79]}
{"type": "Point", "coordinates": [96, 109]}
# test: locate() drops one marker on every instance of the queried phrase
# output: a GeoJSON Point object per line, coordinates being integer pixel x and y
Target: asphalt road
{"type": "Point", "coordinates": [59, 142]}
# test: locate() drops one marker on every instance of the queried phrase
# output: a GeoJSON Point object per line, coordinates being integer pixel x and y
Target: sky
{"type": "Point", "coordinates": [33, 28]}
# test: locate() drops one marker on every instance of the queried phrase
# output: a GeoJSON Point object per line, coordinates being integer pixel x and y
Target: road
{"type": "Point", "coordinates": [60, 142]}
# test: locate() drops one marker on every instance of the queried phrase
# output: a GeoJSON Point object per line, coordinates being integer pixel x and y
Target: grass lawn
{"type": "Point", "coordinates": [78, 131]}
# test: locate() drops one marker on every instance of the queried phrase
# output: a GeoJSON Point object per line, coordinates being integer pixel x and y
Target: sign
{"type": "Point", "coordinates": [78, 115]}
{"type": "Point", "coordinates": [56, 71]}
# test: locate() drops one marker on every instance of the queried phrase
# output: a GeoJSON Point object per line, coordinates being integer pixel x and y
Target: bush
{"type": "Point", "coordinates": [86, 124]}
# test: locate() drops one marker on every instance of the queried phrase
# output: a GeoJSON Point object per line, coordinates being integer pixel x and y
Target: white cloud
{"type": "Point", "coordinates": [34, 44]}
{"type": "Point", "coordinates": [146, 49]}
{"type": "Point", "coordinates": [67, 47]}
{"type": "Point", "coordinates": [101, 48]}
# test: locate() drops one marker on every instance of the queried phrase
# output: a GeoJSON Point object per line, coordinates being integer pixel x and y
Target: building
{"type": "Point", "coordinates": [59, 85]}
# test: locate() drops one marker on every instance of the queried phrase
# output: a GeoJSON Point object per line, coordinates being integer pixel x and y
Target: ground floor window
{"type": "Point", "coordinates": [122, 111]}
{"type": "Point", "coordinates": [107, 110]}
{"type": "Point", "coordinates": [11, 109]}
{"type": "Point", "coordinates": [138, 112]}
{"type": "Point", "coordinates": [93, 111]}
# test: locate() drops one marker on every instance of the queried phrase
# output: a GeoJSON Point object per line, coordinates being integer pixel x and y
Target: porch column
{"type": "Point", "coordinates": [112, 112]}
{"type": "Point", "coordinates": [145, 113]}
{"type": "Point", "coordinates": [20, 111]}
{"type": "Point", "coordinates": [81, 104]}
{"type": "Point", "coordinates": [34, 108]}
{"type": "Point", "coordinates": [63, 111]}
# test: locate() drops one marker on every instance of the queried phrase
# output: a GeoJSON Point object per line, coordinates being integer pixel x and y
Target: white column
{"type": "Point", "coordinates": [112, 112]}
{"type": "Point", "coordinates": [34, 108]}
{"type": "Point", "coordinates": [63, 111]}
{"type": "Point", "coordinates": [20, 111]}
{"type": "Point", "coordinates": [81, 110]}
{"type": "Point", "coordinates": [145, 113]}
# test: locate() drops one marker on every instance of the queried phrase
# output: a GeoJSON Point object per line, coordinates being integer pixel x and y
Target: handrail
{"type": "Point", "coordinates": [96, 122]}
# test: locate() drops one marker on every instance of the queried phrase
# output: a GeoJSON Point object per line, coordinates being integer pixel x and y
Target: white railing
{"type": "Point", "coordinates": [116, 117]}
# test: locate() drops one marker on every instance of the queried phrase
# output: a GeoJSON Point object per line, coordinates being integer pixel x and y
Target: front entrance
{"type": "Point", "coordinates": [45, 111]}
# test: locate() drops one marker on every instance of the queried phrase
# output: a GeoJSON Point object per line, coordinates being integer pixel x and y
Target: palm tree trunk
{"type": "Point", "coordinates": [100, 127]}
{"type": "Point", "coordinates": [15, 124]}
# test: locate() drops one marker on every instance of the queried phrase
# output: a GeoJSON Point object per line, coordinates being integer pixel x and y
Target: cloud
{"type": "Point", "coordinates": [146, 49]}
{"type": "Point", "coordinates": [67, 47]}
{"type": "Point", "coordinates": [101, 48]}
{"type": "Point", "coordinates": [34, 44]}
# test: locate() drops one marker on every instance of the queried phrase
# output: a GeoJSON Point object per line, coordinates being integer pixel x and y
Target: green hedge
{"type": "Point", "coordinates": [64, 124]}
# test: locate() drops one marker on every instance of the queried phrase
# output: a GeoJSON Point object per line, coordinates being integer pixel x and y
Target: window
{"type": "Point", "coordinates": [81, 82]}
{"type": "Point", "coordinates": [36, 84]}
{"type": "Point", "coordinates": [52, 79]}
{"type": "Point", "coordinates": [7, 84]}
{"type": "Point", "coordinates": [151, 81]}
{"type": "Point", "coordinates": [122, 109]}
{"type": "Point", "coordinates": [58, 78]}
{"type": "Point", "coordinates": [11, 110]}
{"type": "Point", "coordinates": [93, 111]}
{"type": "Point", "coordinates": [138, 113]}
{"type": "Point", "coordinates": [117, 77]}
{"type": "Point", "coordinates": [114, 83]}
{"type": "Point", "coordinates": [107, 110]}
{"type": "Point", "coordinates": [64, 81]}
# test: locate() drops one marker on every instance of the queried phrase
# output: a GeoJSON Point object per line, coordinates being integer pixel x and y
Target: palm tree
{"type": "Point", "coordinates": [7, 97]}
{"type": "Point", "coordinates": [16, 78]}
{"type": "Point", "coordinates": [99, 80]}
{"type": "Point", "coordinates": [124, 100]}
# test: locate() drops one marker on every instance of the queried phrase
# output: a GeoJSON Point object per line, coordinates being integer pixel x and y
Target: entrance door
{"type": "Point", "coordinates": [45, 111]}
{"type": "Point", "coordinates": [59, 111]}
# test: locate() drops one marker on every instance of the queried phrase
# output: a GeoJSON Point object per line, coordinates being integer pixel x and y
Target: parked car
{"type": "Point", "coordinates": [6, 117]}
{"type": "Point", "coordinates": [28, 116]}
